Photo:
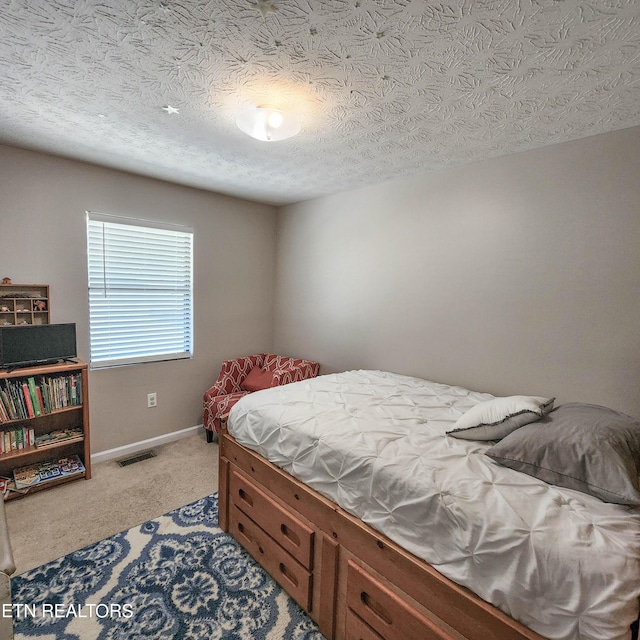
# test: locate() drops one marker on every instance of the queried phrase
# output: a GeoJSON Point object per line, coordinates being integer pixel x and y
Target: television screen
{"type": "Point", "coordinates": [22, 346]}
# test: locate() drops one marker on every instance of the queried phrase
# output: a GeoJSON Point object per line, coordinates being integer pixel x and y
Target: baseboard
{"type": "Point", "coordinates": [130, 449]}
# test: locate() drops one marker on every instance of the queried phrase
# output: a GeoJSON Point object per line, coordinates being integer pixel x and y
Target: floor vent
{"type": "Point", "coordinates": [139, 457]}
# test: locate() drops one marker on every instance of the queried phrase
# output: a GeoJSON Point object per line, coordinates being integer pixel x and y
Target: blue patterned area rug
{"type": "Point", "coordinates": [178, 576]}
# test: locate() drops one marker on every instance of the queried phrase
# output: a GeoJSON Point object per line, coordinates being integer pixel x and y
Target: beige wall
{"type": "Point", "coordinates": [516, 275]}
{"type": "Point", "coordinates": [42, 240]}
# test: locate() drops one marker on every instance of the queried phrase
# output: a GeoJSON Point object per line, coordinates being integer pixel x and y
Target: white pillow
{"type": "Point", "coordinates": [497, 418]}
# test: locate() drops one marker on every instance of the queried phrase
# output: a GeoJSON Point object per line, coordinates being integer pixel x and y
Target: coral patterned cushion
{"type": "Point", "coordinates": [257, 379]}
{"type": "Point", "coordinates": [239, 376]}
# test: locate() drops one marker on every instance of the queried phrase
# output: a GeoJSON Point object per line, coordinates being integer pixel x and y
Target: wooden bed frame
{"type": "Point", "coordinates": [353, 581]}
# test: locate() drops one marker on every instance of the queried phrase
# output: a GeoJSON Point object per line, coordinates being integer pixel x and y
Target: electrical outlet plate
{"type": "Point", "coordinates": [152, 400]}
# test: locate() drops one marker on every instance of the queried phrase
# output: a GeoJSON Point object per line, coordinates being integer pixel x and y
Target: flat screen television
{"type": "Point", "coordinates": [30, 345]}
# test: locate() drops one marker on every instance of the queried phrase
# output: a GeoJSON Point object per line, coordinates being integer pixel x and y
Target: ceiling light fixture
{"type": "Point", "coordinates": [268, 124]}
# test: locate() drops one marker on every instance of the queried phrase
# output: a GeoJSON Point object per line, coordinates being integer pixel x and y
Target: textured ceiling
{"type": "Point", "coordinates": [384, 88]}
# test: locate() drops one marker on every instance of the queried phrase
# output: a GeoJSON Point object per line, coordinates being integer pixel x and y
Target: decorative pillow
{"type": "Point", "coordinates": [494, 419]}
{"type": "Point", "coordinates": [579, 446]}
{"type": "Point", "coordinates": [257, 379]}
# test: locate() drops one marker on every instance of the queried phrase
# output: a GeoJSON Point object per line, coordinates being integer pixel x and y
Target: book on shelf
{"type": "Point", "coordinates": [26, 476]}
{"type": "Point", "coordinates": [31, 382]}
{"type": "Point", "coordinates": [19, 437]}
{"type": "Point", "coordinates": [43, 472]}
{"type": "Point", "coordinates": [10, 487]}
{"type": "Point", "coordinates": [33, 396]}
{"type": "Point", "coordinates": [27, 400]}
{"type": "Point", "coordinates": [40, 398]}
{"type": "Point", "coordinates": [7, 486]}
{"type": "Point", "coordinates": [59, 435]}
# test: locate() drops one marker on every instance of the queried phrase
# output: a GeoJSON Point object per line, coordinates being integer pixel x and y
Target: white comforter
{"type": "Point", "coordinates": [563, 563]}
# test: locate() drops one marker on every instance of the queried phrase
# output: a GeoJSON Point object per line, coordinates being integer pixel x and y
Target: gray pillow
{"type": "Point", "coordinates": [579, 446]}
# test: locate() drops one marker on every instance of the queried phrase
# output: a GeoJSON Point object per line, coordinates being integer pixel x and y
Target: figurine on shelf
{"type": "Point", "coordinates": [6, 280]}
{"type": "Point", "coordinates": [4, 309]}
{"type": "Point", "coordinates": [39, 305]}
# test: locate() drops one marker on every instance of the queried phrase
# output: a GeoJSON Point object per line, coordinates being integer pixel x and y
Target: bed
{"type": "Point", "coordinates": [352, 491]}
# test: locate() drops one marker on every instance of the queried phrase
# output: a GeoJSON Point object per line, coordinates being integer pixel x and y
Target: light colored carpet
{"type": "Point", "coordinates": [53, 523]}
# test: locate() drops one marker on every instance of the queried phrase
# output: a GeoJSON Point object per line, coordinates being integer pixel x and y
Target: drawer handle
{"type": "Point", "coordinates": [375, 607]}
{"type": "Point", "coordinates": [246, 497]}
{"type": "Point", "coordinates": [290, 534]}
{"type": "Point", "coordinates": [242, 529]}
{"type": "Point", "coordinates": [289, 576]}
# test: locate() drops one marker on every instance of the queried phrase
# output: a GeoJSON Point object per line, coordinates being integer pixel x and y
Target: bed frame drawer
{"type": "Point", "coordinates": [385, 611]}
{"type": "Point", "coordinates": [357, 629]}
{"type": "Point", "coordinates": [289, 532]}
{"type": "Point", "coordinates": [289, 574]}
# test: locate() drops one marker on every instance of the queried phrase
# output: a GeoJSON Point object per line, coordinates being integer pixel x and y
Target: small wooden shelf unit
{"type": "Point", "coordinates": [56, 419]}
{"type": "Point", "coordinates": [24, 304]}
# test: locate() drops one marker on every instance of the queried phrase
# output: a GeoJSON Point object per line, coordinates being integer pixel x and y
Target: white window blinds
{"type": "Point", "coordinates": [140, 290]}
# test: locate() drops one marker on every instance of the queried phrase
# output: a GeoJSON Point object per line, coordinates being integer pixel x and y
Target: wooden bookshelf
{"type": "Point", "coordinates": [59, 383]}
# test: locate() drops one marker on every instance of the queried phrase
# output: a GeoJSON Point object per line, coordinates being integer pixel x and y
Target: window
{"type": "Point", "coordinates": [140, 290]}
